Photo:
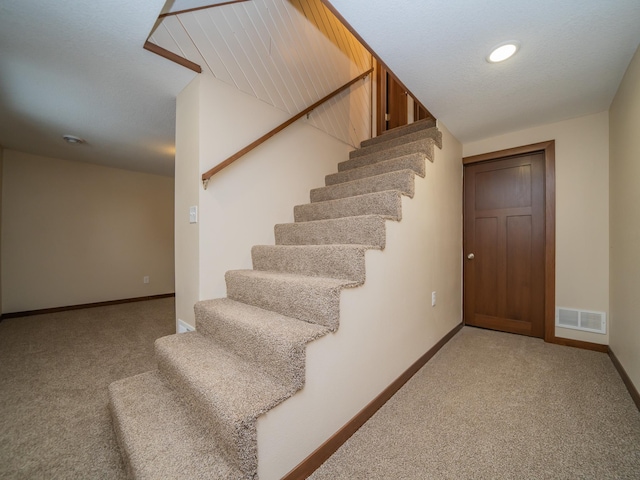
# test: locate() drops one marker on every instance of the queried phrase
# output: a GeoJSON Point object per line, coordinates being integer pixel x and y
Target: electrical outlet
{"type": "Point", "coordinates": [433, 299]}
{"type": "Point", "coordinates": [145, 279]}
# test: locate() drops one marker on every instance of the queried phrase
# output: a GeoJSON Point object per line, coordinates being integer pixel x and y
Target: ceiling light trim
{"type": "Point", "coordinates": [73, 140]}
{"type": "Point", "coordinates": [503, 51]}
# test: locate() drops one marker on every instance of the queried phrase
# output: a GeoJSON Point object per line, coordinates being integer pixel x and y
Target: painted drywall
{"type": "Point", "coordinates": [76, 233]}
{"type": "Point", "coordinates": [243, 202]}
{"type": "Point", "coordinates": [187, 186]}
{"type": "Point", "coordinates": [1, 163]}
{"type": "Point", "coordinates": [385, 325]}
{"type": "Point", "coordinates": [624, 124]}
{"type": "Point", "coordinates": [582, 210]}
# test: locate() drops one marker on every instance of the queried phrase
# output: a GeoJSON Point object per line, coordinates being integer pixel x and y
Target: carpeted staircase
{"type": "Point", "coordinates": [195, 416]}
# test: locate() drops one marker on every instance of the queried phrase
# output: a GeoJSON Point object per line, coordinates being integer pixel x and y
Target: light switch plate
{"type": "Point", "coordinates": [193, 214]}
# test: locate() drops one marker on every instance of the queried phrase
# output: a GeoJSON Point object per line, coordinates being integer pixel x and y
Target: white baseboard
{"type": "Point", "coordinates": [184, 327]}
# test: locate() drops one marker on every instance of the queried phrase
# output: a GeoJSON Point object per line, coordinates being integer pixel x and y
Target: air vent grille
{"type": "Point", "coordinates": [585, 320]}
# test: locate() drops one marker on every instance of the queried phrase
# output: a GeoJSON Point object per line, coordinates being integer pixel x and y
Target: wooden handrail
{"type": "Point", "coordinates": [208, 174]}
{"type": "Point", "coordinates": [163, 52]}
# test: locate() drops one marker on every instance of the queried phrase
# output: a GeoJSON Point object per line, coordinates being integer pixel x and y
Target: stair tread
{"type": "Point", "coordinates": [312, 299]}
{"type": "Point", "coordinates": [390, 142]}
{"type": "Point", "coordinates": [273, 342]}
{"type": "Point", "coordinates": [401, 180]}
{"type": "Point", "coordinates": [160, 436]}
{"type": "Point", "coordinates": [386, 204]}
{"type": "Point", "coordinates": [400, 131]}
{"type": "Point", "coordinates": [324, 248]}
{"type": "Point", "coordinates": [220, 380]}
{"type": "Point", "coordinates": [362, 229]}
{"type": "Point", "coordinates": [283, 277]}
{"type": "Point", "coordinates": [424, 145]}
{"type": "Point", "coordinates": [270, 325]}
{"type": "Point", "coordinates": [333, 261]}
{"type": "Point", "coordinates": [413, 161]}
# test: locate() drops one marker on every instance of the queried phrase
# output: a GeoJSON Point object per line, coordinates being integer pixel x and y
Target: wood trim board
{"type": "Point", "coordinates": [633, 391]}
{"type": "Point", "coordinates": [29, 313]}
{"type": "Point", "coordinates": [163, 52]}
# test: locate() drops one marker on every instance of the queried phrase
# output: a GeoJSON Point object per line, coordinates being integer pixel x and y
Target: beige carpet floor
{"type": "Point", "coordinates": [487, 406]}
{"type": "Point", "coordinates": [54, 373]}
{"type": "Point", "coordinates": [491, 405]}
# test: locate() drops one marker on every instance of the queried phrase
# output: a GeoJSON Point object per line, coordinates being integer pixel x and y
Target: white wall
{"type": "Point", "coordinates": [582, 209]}
{"type": "Point", "coordinates": [187, 193]}
{"type": "Point", "coordinates": [624, 118]}
{"type": "Point", "coordinates": [75, 233]}
{"type": "Point", "coordinates": [243, 202]}
{"type": "Point", "coordinates": [385, 325]}
{"type": "Point", "coordinates": [1, 163]}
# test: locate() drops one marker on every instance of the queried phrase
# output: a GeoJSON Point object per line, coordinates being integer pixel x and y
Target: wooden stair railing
{"type": "Point", "coordinates": [208, 174]}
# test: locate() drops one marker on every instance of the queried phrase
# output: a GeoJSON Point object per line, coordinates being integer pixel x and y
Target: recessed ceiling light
{"type": "Point", "coordinates": [501, 52]}
{"type": "Point", "coordinates": [73, 140]}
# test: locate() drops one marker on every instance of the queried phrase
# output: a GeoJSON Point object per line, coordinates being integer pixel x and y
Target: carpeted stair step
{"type": "Point", "coordinates": [414, 162]}
{"type": "Point", "coordinates": [223, 390]}
{"type": "Point", "coordinates": [362, 230]}
{"type": "Point", "coordinates": [386, 204]}
{"type": "Point", "coordinates": [400, 132]}
{"type": "Point", "coordinates": [424, 145]}
{"type": "Point", "coordinates": [401, 180]}
{"type": "Point", "coordinates": [394, 142]}
{"type": "Point", "coordinates": [159, 435]}
{"type": "Point", "coordinates": [333, 261]}
{"type": "Point", "coordinates": [312, 299]}
{"type": "Point", "coordinates": [273, 342]}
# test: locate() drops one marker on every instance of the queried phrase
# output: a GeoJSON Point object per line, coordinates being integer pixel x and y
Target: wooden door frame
{"type": "Point", "coordinates": [549, 150]}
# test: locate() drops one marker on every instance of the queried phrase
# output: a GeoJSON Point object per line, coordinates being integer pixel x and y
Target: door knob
{"type": "Point", "coordinates": [471, 256]}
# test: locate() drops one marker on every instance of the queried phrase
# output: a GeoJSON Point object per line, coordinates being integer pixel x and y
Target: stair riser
{"type": "Point", "coordinates": [232, 439]}
{"type": "Point", "coordinates": [402, 181]}
{"type": "Point", "coordinates": [414, 162]}
{"type": "Point", "coordinates": [366, 230]}
{"type": "Point", "coordinates": [159, 437]}
{"type": "Point", "coordinates": [433, 133]}
{"type": "Point", "coordinates": [332, 262]}
{"type": "Point", "coordinates": [425, 146]}
{"type": "Point", "coordinates": [399, 132]}
{"type": "Point", "coordinates": [385, 204]}
{"type": "Point", "coordinates": [314, 305]}
{"type": "Point", "coordinates": [284, 361]}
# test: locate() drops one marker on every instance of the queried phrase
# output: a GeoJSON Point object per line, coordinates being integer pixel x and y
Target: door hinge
{"type": "Point", "coordinates": [387, 117]}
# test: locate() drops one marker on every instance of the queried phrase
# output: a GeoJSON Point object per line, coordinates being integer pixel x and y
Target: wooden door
{"type": "Point", "coordinates": [391, 100]}
{"type": "Point", "coordinates": [504, 244]}
{"type": "Point", "coordinates": [397, 113]}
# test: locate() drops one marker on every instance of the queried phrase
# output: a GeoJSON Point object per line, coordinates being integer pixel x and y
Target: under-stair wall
{"type": "Point", "coordinates": [385, 324]}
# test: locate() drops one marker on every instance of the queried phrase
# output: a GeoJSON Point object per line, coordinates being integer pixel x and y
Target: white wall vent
{"type": "Point", "coordinates": [584, 320]}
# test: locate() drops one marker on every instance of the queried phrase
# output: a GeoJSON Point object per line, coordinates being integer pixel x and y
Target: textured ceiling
{"type": "Point", "coordinates": [78, 67]}
{"type": "Point", "coordinates": [572, 58]}
{"type": "Point", "coordinates": [71, 67]}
